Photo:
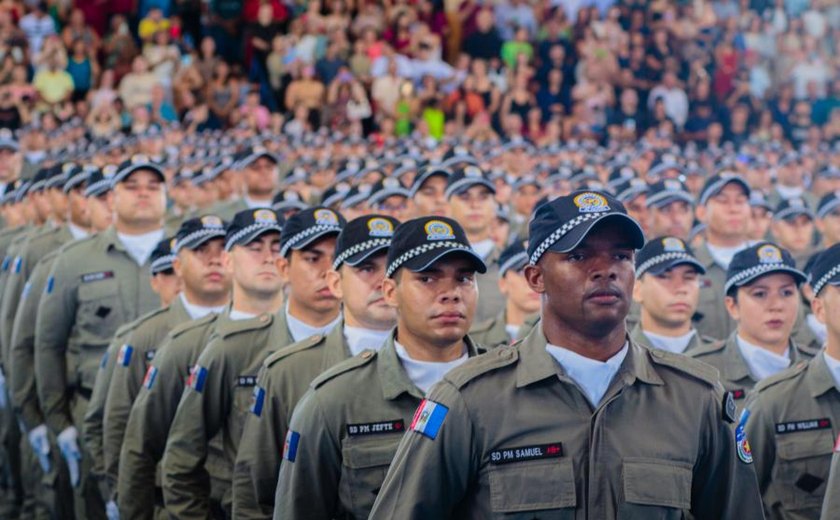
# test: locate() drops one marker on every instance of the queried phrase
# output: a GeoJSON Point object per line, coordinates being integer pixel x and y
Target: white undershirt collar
{"type": "Point", "coordinates": [483, 247]}
{"type": "Point", "coordinates": [301, 330]}
{"type": "Point", "coordinates": [761, 362]}
{"type": "Point", "coordinates": [675, 344]}
{"type": "Point", "coordinates": [140, 247]}
{"type": "Point", "coordinates": [198, 311]}
{"type": "Point", "coordinates": [359, 339]}
{"type": "Point", "coordinates": [424, 374]}
{"type": "Point", "coordinates": [76, 232]}
{"type": "Point", "coordinates": [592, 376]}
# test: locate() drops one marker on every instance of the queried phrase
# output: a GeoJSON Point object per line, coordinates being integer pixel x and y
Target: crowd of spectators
{"type": "Point", "coordinates": [547, 70]}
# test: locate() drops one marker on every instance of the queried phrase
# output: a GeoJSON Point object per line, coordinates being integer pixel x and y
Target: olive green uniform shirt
{"type": "Point", "coordinates": [792, 420]}
{"type": "Point", "coordinates": [12, 266]}
{"type": "Point", "coordinates": [283, 379]}
{"type": "Point", "coordinates": [349, 425]}
{"type": "Point", "coordinates": [490, 299]}
{"type": "Point", "coordinates": [131, 366]}
{"type": "Point", "coordinates": [831, 502]}
{"type": "Point", "coordinates": [152, 413]}
{"type": "Point", "coordinates": [218, 400]}
{"type": "Point", "coordinates": [94, 287]}
{"type": "Point", "coordinates": [518, 438]}
{"type": "Point", "coordinates": [712, 318]}
{"type": "Point", "coordinates": [491, 333]}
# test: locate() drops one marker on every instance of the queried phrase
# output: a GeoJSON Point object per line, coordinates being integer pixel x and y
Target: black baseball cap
{"type": "Point", "coordinates": [252, 154]}
{"type": "Point", "coordinates": [666, 191]}
{"type": "Point", "coordinates": [387, 187]}
{"type": "Point", "coordinates": [426, 173]}
{"type": "Point", "coordinates": [630, 189]}
{"type": "Point", "coordinates": [196, 231]}
{"type": "Point", "coordinates": [99, 181]}
{"type": "Point", "coordinates": [363, 237]}
{"type": "Point", "coordinates": [759, 200]}
{"type": "Point", "coordinates": [716, 183]}
{"type": "Point", "coordinates": [663, 253]}
{"type": "Point", "coordinates": [250, 224]}
{"type": "Point", "coordinates": [162, 256]}
{"type": "Point", "coordinates": [74, 176]}
{"type": "Point", "coordinates": [759, 260]}
{"type": "Point", "coordinates": [825, 269]}
{"type": "Point", "coordinates": [288, 199]}
{"type": "Point", "coordinates": [464, 178]}
{"type": "Point", "coordinates": [563, 223]}
{"type": "Point", "coordinates": [420, 242]}
{"type": "Point", "coordinates": [512, 257]}
{"type": "Point", "coordinates": [136, 163]}
{"type": "Point", "coordinates": [309, 225]}
{"type": "Point", "coordinates": [791, 208]}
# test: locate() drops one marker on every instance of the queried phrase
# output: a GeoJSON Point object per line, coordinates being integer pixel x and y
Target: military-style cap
{"type": "Point", "coordinates": [183, 175]}
{"type": "Point", "coordinates": [829, 203]}
{"type": "Point", "coordinates": [286, 200]}
{"type": "Point", "coordinates": [619, 175]}
{"type": "Point", "coordinates": [630, 189]}
{"type": "Point", "coordinates": [252, 154]}
{"type": "Point", "coordinates": [791, 208]}
{"type": "Point", "coordinates": [513, 257]}
{"type": "Point", "coordinates": [387, 187]}
{"type": "Point", "coordinates": [162, 256]}
{"type": "Point", "coordinates": [466, 177]}
{"type": "Point", "coordinates": [825, 269]}
{"type": "Point", "coordinates": [759, 200]}
{"type": "Point", "coordinates": [663, 253]}
{"type": "Point", "coordinates": [55, 177]}
{"type": "Point", "coordinates": [309, 225]}
{"type": "Point", "coordinates": [204, 175]}
{"type": "Point", "coordinates": [362, 237]}
{"type": "Point", "coordinates": [136, 163]}
{"type": "Point", "coordinates": [8, 141]}
{"type": "Point", "coordinates": [10, 191]}
{"type": "Point", "coordinates": [759, 260]}
{"type": "Point", "coordinates": [666, 191]}
{"type": "Point", "coordinates": [357, 195]}
{"type": "Point", "coordinates": [74, 176]}
{"type": "Point", "coordinates": [665, 162]}
{"type": "Point", "coordinates": [99, 181]}
{"type": "Point", "coordinates": [196, 231]}
{"type": "Point", "coordinates": [39, 181]}
{"type": "Point", "coordinates": [420, 242]}
{"type": "Point", "coordinates": [426, 173]}
{"type": "Point", "coordinates": [716, 183]}
{"type": "Point", "coordinates": [250, 224]}
{"type": "Point", "coordinates": [563, 223]}
{"type": "Point", "coordinates": [335, 194]}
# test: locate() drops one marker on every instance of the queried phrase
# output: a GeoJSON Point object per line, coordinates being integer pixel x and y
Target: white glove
{"type": "Point", "coordinates": [112, 511]}
{"type": "Point", "coordinates": [4, 401]}
{"type": "Point", "coordinates": [68, 443]}
{"type": "Point", "coordinates": [40, 445]}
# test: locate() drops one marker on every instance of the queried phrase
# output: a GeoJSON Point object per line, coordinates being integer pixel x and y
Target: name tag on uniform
{"type": "Point", "coordinates": [246, 381]}
{"type": "Point", "coordinates": [97, 277]}
{"type": "Point", "coordinates": [803, 426]}
{"type": "Point", "coordinates": [375, 428]}
{"type": "Point", "coordinates": [738, 393]}
{"type": "Point", "coordinates": [524, 453]}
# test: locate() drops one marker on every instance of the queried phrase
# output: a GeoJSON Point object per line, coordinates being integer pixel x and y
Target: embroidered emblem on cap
{"type": "Point", "coordinates": [172, 243]}
{"type": "Point", "coordinates": [109, 170]}
{"type": "Point", "coordinates": [672, 185]}
{"type": "Point", "coordinates": [769, 254]}
{"type": "Point", "coordinates": [672, 244]}
{"type": "Point", "coordinates": [390, 183]}
{"type": "Point", "coordinates": [438, 230]}
{"type": "Point", "coordinates": [139, 159]}
{"type": "Point", "coordinates": [472, 171]}
{"type": "Point", "coordinates": [380, 227]}
{"type": "Point", "coordinates": [291, 196]}
{"type": "Point", "coordinates": [591, 203]}
{"type": "Point", "coordinates": [325, 217]}
{"type": "Point", "coordinates": [212, 221]}
{"type": "Point", "coordinates": [265, 216]}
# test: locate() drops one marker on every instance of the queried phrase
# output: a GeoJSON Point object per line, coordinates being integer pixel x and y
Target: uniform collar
{"type": "Point", "coordinates": [735, 366]}
{"type": "Point", "coordinates": [280, 335]}
{"type": "Point", "coordinates": [111, 240]}
{"type": "Point", "coordinates": [178, 310]}
{"type": "Point", "coordinates": [703, 256]}
{"type": "Point", "coordinates": [336, 347]}
{"type": "Point", "coordinates": [819, 376]}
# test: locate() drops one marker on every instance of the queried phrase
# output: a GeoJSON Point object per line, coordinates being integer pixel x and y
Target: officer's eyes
{"type": "Point", "coordinates": [575, 257]}
{"type": "Point", "coordinates": [788, 293]}
{"type": "Point", "coordinates": [466, 278]}
{"type": "Point", "coordinates": [622, 256]}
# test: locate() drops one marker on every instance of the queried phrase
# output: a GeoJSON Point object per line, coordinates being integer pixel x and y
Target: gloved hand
{"type": "Point", "coordinates": [112, 510]}
{"type": "Point", "coordinates": [4, 401]}
{"type": "Point", "coordinates": [40, 445]}
{"type": "Point", "coordinates": [68, 443]}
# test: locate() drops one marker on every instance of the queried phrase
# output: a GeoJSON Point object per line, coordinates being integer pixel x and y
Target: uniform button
{"type": "Point", "coordinates": [366, 354]}
{"type": "Point", "coordinates": [509, 354]}
{"type": "Point", "coordinates": [264, 318]}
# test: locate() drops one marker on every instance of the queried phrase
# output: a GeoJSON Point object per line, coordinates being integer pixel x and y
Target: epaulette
{"type": "Point", "coordinates": [126, 329]}
{"type": "Point", "coordinates": [715, 346]}
{"type": "Point", "coordinates": [807, 349]}
{"type": "Point", "coordinates": [687, 365]}
{"type": "Point", "coordinates": [784, 375]}
{"type": "Point", "coordinates": [474, 367]}
{"type": "Point", "coordinates": [75, 244]}
{"type": "Point", "coordinates": [345, 366]}
{"type": "Point", "coordinates": [183, 328]}
{"type": "Point", "coordinates": [150, 315]}
{"type": "Point", "coordinates": [303, 344]}
{"type": "Point", "coordinates": [228, 328]}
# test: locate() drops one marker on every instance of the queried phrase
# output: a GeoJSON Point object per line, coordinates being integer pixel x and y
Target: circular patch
{"type": "Point", "coordinates": [380, 227]}
{"type": "Point", "coordinates": [769, 254]}
{"type": "Point", "coordinates": [590, 202]}
{"type": "Point", "coordinates": [743, 448]}
{"type": "Point", "coordinates": [672, 244]}
{"type": "Point", "coordinates": [325, 217]}
{"type": "Point", "coordinates": [438, 230]}
{"type": "Point", "coordinates": [212, 221]}
{"type": "Point", "coordinates": [265, 216]}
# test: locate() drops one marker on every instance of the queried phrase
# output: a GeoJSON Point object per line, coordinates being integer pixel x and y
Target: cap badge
{"type": "Point", "coordinates": [672, 185]}
{"type": "Point", "coordinates": [325, 217]}
{"type": "Point", "coordinates": [591, 203]}
{"type": "Point", "coordinates": [769, 254]}
{"type": "Point", "coordinates": [472, 172]}
{"type": "Point", "coordinates": [672, 245]}
{"type": "Point", "coordinates": [438, 230]}
{"type": "Point", "coordinates": [172, 244]}
{"type": "Point", "coordinates": [212, 221]}
{"type": "Point", "coordinates": [291, 196]}
{"type": "Point", "coordinates": [380, 227]}
{"type": "Point", "coordinates": [139, 159]}
{"type": "Point", "coordinates": [109, 170]}
{"type": "Point", "coordinates": [265, 216]}
{"type": "Point", "coordinates": [390, 183]}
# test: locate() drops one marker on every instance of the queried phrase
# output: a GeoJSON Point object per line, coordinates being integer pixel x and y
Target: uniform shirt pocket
{"type": "Point", "coordinates": [655, 489]}
{"type": "Point", "coordinates": [100, 310]}
{"type": "Point", "coordinates": [365, 463]}
{"type": "Point", "coordinates": [802, 466]}
{"type": "Point", "coordinates": [527, 487]}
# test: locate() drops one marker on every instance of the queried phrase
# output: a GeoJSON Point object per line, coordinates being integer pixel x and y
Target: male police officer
{"type": "Point", "coordinates": [205, 287]}
{"type": "Point", "coordinates": [356, 279]}
{"type": "Point", "coordinates": [568, 423]}
{"type": "Point", "coordinates": [667, 287]}
{"type": "Point", "coordinates": [793, 418]}
{"type": "Point", "coordinates": [222, 380]}
{"type": "Point", "coordinates": [96, 285]}
{"type": "Point", "coordinates": [344, 431]}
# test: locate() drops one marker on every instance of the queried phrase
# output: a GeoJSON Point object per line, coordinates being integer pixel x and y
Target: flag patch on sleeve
{"type": "Point", "coordinates": [50, 285]}
{"type": "Point", "coordinates": [429, 418]}
{"type": "Point", "coordinates": [198, 377]}
{"type": "Point", "coordinates": [257, 401]}
{"type": "Point", "coordinates": [151, 374]}
{"type": "Point", "coordinates": [18, 264]}
{"type": "Point", "coordinates": [290, 447]}
{"type": "Point", "coordinates": [124, 357]}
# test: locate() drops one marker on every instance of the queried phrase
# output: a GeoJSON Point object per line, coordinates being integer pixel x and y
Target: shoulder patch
{"type": "Point", "coordinates": [693, 367]}
{"type": "Point", "coordinates": [784, 375]}
{"type": "Point", "coordinates": [301, 345]}
{"type": "Point", "coordinates": [479, 365]}
{"type": "Point", "coordinates": [345, 366]}
{"type": "Point", "coordinates": [228, 328]}
{"type": "Point", "coordinates": [182, 328]}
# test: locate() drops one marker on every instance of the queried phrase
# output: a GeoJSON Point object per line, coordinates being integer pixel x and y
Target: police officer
{"type": "Point", "coordinates": [828, 219]}
{"type": "Point", "coordinates": [471, 204]}
{"type": "Point", "coordinates": [670, 209]}
{"type": "Point", "coordinates": [763, 299]}
{"type": "Point", "coordinates": [345, 430]}
{"type": "Point", "coordinates": [356, 279]}
{"type": "Point", "coordinates": [521, 302]}
{"type": "Point", "coordinates": [793, 418]}
{"type": "Point", "coordinates": [259, 178]}
{"type": "Point", "coordinates": [96, 285]}
{"type": "Point", "coordinates": [429, 191]}
{"type": "Point", "coordinates": [793, 228]}
{"type": "Point", "coordinates": [667, 288]}
{"type": "Point", "coordinates": [205, 289]}
{"type": "Point", "coordinates": [222, 380]}
{"type": "Point", "coordinates": [569, 422]}
{"type": "Point", "coordinates": [725, 210]}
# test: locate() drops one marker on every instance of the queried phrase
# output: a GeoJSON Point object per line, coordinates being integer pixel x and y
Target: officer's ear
{"type": "Point", "coordinates": [637, 290]}
{"type": "Point", "coordinates": [534, 277]}
{"type": "Point", "coordinates": [731, 303]}
{"type": "Point", "coordinates": [334, 283]}
{"type": "Point", "coordinates": [109, 201]}
{"type": "Point", "coordinates": [283, 263]}
{"type": "Point", "coordinates": [389, 289]}
{"type": "Point", "coordinates": [701, 213]}
{"type": "Point", "coordinates": [227, 263]}
{"type": "Point", "coordinates": [177, 266]}
{"type": "Point", "coordinates": [818, 308]}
